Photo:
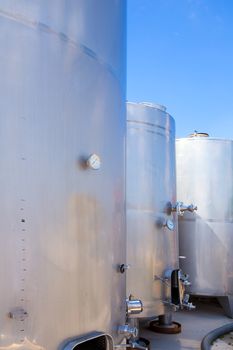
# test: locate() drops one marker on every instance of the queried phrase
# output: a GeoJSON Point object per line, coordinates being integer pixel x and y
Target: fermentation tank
{"type": "Point", "coordinates": [205, 177]}
{"type": "Point", "coordinates": [152, 238]}
{"type": "Point", "coordinates": [62, 68]}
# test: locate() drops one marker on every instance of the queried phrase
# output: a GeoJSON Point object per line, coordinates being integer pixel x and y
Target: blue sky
{"type": "Point", "coordinates": [180, 54]}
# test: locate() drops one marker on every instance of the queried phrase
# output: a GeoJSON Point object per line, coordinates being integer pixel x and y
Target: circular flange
{"type": "Point", "coordinates": [173, 328]}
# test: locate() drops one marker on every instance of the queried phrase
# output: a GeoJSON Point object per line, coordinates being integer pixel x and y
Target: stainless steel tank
{"type": "Point", "coordinates": [152, 238]}
{"type": "Point", "coordinates": [205, 177]}
{"type": "Point", "coordinates": [62, 68]}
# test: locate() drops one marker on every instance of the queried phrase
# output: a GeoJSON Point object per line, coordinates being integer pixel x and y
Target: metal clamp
{"type": "Point", "coordinates": [128, 331]}
{"type": "Point", "coordinates": [133, 306]}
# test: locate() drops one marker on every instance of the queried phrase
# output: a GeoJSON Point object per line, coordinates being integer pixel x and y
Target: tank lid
{"type": "Point", "coordinates": [198, 134]}
{"type": "Point", "coordinates": [154, 105]}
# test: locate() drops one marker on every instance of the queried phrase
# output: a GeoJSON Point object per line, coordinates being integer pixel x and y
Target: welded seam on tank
{"type": "Point", "coordinates": [205, 139]}
{"type": "Point", "coordinates": [62, 36]}
{"type": "Point", "coordinates": [166, 132]}
{"type": "Point", "coordinates": [148, 124]}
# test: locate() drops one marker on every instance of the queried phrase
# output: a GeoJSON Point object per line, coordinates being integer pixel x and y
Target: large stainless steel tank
{"type": "Point", "coordinates": [152, 242]}
{"type": "Point", "coordinates": [205, 177]}
{"type": "Point", "coordinates": [62, 68]}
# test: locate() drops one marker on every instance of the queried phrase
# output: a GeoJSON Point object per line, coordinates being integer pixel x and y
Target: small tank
{"type": "Point", "coordinates": [62, 68]}
{"type": "Point", "coordinates": [205, 178]}
{"type": "Point", "coordinates": [152, 236]}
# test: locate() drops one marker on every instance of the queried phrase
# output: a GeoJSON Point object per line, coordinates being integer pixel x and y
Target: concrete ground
{"type": "Point", "coordinates": [195, 325]}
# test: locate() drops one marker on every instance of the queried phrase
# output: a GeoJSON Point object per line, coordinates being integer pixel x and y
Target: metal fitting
{"type": "Point", "coordinates": [136, 345]}
{"type": "Point", "coordinates": [168, 303]}
{"type": "Point", "coordinates": [133, 306]}
{"type": "Point", "coordinates": [184, 278]}
{"type": "Point", "coordinates": [186, 304]}
{"type": "Point", "coordinates": [124, 267]}
{"type": "Point", "coordinates": [189, 306]}
{"type": "Point", "coordinates": [180, 208]}
{"type": "Point", "coordinates": [131, 345]}
{"type": "Point", "coordinates": [93, 162]}
{"type": "Point", "coordinates": [128, 331]}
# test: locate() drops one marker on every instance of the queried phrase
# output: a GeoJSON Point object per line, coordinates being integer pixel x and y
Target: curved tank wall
{"type": "Point", "coordinates": [152, 249]}
{"type": "Point", "coordinates": [205, 178]}
{"type": "Point", "coordinates": [62, 68]}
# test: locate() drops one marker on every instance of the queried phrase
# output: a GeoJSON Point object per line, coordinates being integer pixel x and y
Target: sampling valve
{"type": "Point", "coordinates": [133, 307]}
{"type": "Point", "coordinates": [180, 208]}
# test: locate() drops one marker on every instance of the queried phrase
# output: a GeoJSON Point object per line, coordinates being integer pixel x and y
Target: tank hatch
{"type": "Point", "coordinates": [198, 134]}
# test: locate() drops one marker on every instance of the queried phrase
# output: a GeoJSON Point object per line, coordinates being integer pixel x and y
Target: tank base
{"type": "Point", "coordinates": [171, 328]}
{"type": "Point", "coordinates": [227, 304]}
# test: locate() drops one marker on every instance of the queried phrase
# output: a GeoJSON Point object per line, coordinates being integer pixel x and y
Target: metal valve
{"type": "Point", "coordinates": [184, 278]}
{"type": "Point", "coordinates": [128, 331]}
{"type": "Point", "coordinates": [184, 282]}
{"type": "Point", "coordinates": [186, 304]}
{"type": "Point", "coordinates": [180, 208]}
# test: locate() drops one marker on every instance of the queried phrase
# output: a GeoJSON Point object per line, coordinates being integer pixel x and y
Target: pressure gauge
{"type": "Point", "coordinates": [170, 225]}
{"type": "Point", "coordinates": [94, 162]}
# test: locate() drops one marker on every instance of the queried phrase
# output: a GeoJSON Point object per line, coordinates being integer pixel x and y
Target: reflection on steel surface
{"type": "Point", "coordinates": [205, 177]}
{"type": "Point", "coordinates": [62, 68]}
{"type": "Point", "coordinates": [152, 242]}
{"type": "Point", "coordinates": [24, 345]}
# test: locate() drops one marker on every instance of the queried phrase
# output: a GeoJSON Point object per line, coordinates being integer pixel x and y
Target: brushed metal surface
{"type": "Point", "coordinates": [151, 184]}
{"type": "Point", "coordinates": [205, 177]}
{"type": "Point", "coordinates": [62, 225]}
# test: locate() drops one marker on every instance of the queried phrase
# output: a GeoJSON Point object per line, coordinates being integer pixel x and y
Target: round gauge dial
{"type": "Point", "coordinates": [170, 225]}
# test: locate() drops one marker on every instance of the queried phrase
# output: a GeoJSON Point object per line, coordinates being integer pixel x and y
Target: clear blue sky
{"type": "Point", "coordinates": [180, 54]}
